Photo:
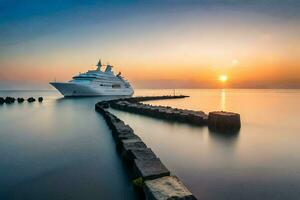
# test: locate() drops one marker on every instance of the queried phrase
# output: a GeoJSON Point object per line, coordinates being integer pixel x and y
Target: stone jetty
{"type": "Point", "coordinates": [147, 169]}
{"type": "Point", "coordinates": [150, 98]}
{"type": "Point", "coordinates": [156, 180]}
{"type": "Point", "coordinates": [163, 112]}
{"type": "Point", "coordinates": [220, 121]}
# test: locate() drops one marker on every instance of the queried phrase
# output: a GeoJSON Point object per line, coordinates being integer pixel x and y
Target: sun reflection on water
{"type": "Point", "coordinates": [223, 99]}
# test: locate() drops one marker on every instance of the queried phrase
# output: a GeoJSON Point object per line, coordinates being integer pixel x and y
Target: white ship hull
{"type": "Point", "coordinates": [77, 90]}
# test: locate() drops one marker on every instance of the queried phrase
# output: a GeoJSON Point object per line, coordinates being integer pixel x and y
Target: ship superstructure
{"type": "Point", "coordinates": [95, 83]}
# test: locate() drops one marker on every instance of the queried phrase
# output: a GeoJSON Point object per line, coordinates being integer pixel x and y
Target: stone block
{"type": "Point", "coordinates": [141, 154]}
{"type": "Point", "coordinates": [167, 188]}
{"type": "Point", "coordinates": [124, 136]}
{"type": "Point", "coordinates": [133, 143]}
{"type": "Point", "coordinates": [150, 169]}
{"type": "Point", "coordinates": [224, 121]}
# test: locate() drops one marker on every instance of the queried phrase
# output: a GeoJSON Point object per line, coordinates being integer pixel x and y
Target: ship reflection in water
{"type": "Point", "coordinates": [62, 148]}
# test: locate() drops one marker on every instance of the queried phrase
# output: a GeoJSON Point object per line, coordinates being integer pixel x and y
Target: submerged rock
{"type": "Point", "coordinates": [167, 188]}
{"type": "Point", "coordinates": [40, 99]}
{"type": "Point", "coordinates": [2, 100]}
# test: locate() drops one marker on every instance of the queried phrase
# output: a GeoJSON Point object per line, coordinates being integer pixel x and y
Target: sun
{"type": "Point", "coordinates": [223, 78]}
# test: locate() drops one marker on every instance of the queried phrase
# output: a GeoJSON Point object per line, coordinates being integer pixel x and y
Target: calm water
{"type": "Point", "coordinates": [62, 149]}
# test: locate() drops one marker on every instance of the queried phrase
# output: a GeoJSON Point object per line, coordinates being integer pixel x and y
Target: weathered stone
{"type": "Point", "coordinates": [134, 143]}
{"type": "Point", "coordinates": [122, 128]}
{"type": "Point", "coordinates": [150, 169]}
{"type": "Point", "coordinates": [117, 125]}
{"type": "Point", "coordinates": [141, 154]}
{"type": "Point", "coordinates": [167, 188]}
{"type": "Point", "coordinates": [224, 121]}
{"type": "Point", "coordinates": [110, 119]}
{"type": "Point", "coordinates": [125, 136]}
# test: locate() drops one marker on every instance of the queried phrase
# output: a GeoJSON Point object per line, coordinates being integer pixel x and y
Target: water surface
{"type": "Point", "coordinates": [261, 162]}
{"type": "Point", "coordinates": [58, 149]}
{"type": "Point", "coordinates": [62, 148]}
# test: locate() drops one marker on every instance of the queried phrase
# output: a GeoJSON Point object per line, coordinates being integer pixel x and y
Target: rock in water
{"type": "Point", "coordinates": [40, 99]}
{"type": "Point", "coordinates": [31, 99]}
{"type": "Point", "coordinates": [168, 187]}
{"type": "Point", "coordinates": [2, 100]}
{"type": "Point", "coordinates": [9, 100]}
{"type": "Point", "coordinates": [20, 100]}
{"type": "Point", "coordinates": [224, 121]}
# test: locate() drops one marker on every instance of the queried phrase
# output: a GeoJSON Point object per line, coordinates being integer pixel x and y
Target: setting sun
{"type": "Point", "coordinates": [223, 78]}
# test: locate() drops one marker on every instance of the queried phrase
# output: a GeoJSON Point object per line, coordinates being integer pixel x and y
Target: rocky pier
{"type": "Point", "coordinates": [149, 174]}
{"type": "Point", "coordinates": [225, 122]}
{"type": "Point", "coordinates": [148, 171]}
{"type": "Point", "coordinates": [163, 112]}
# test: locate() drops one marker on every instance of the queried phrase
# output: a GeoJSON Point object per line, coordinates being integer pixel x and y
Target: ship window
{"type": "Point", "coordinates": [116, 86]}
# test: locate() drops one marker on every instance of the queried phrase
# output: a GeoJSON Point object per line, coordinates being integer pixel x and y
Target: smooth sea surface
{"type": "Point", "coordinates": [63, 149]}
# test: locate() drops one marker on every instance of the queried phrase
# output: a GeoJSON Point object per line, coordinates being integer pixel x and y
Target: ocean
{"type": "Point", "coordinates": [62, 149]}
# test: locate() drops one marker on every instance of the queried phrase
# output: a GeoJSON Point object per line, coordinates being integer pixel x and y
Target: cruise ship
{"type": "Point", "coordinates": [95, 83]}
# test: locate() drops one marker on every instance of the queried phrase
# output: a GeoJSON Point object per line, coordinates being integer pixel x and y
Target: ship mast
{"type": "Point", "coordinates": [99, 65]}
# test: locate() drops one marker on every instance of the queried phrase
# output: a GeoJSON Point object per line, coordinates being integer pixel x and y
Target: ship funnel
{"type": "Point", "coordinates": [108, 69]}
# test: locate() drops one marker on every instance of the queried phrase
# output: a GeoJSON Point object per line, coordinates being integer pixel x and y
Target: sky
{"type": "Point", "coordinates": [154, 43]}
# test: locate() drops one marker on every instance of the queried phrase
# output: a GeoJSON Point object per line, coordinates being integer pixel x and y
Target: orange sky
{"type": "Point", "coordinates": [165, 50]}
